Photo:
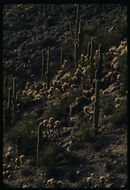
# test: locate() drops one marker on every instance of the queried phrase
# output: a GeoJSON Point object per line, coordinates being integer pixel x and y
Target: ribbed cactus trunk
{"type": "Point", "coordinates": [61, 56]}
{"type": "Point", "coordinates": [45, 10]}
{"type": "Point", "coordinates": [71, 31]}
{"type": "Point", "coordinates": [81, 26]}
{"type": "Point", "coordinates": [77, 20]}
{"type": "Point", "coordinates": [79, 45]}
{"type": "Point", "coordinates": [39, 143]}
{"type": "Point", "coordinates": [75, 55]}
{"type": "Point", "coordinates": [80, 35]}
{"type": "Point", "coordinates": [96, 107]}
{"type": "Point", "coordinates": [96, 74]}
{"type": "Point", "coordinates": [48, 70]}
{"type": "Point", "coordinates": [100, 61]}
{"type": "Point", "coordinates": [14, 99]}
{"type": "Point", "coordinates": [5, 87]}
{"type": "Point", "coordinates": [92, 58]}
{"type": "Point", "coordinates": [43, 63]}
{"type": "Point", "coordinates": [8, 111]}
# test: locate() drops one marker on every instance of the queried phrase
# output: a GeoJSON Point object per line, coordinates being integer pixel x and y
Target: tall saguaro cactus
{"type": "Point", "coordinates": [81, 27]}
{"type": "Point", "coordinates": [100, 61]}
{"type": "Point", "coordinates": [61, 56]}
{"type": "Point", "coordinates": [71, 30]}
{"type": "Point", "coordinates": [79, 44]}
{"type": "Point", "coordinates": [77, 19]}
{"type": "Point", "coordinates": [9, 98]}
{"type": "Point", "coordinates": [96, 107]}
{"type": "Point", "coordinates": [8, 114]}
{"type": "Point", "coordinates": [75, 55]}
{"type": "Point", "coordinates": [43, 63]}
{"type": "Point", "coordinates": [45, 10]}
{"type": "Point", "coordinates": [48, 70]}
{"type": "Point", "coordinates": [14, 98]}
{"type": "Point", "coordinates": [92, 57]}
{"type": "Point", "coordinates": [5, 86]}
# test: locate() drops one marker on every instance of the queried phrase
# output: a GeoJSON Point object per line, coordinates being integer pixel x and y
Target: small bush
{"type": "Point", "coordinates": [49, 160]}
{"type": "Point", "coordinates": [86, 131]}
{"type": "Point", "coordinates": [27, 133]}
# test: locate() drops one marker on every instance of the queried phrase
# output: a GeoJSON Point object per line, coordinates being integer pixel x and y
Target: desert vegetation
{"type": "Point", "coordinates": [65, 95]}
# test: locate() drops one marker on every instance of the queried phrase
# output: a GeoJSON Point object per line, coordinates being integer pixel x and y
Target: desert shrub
{"type": "Point", "coordinates": [28, 135]}
{"type": "Point", "coordinates": [86, 131]}
{"type": "Point", "coordinates": [49, 160]}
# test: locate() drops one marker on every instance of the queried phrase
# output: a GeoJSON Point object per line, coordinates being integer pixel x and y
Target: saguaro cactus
{"type": "Point", "coordinates": [96, 74]}
{"type": "Point", "coordinates": [43, 63]}
{"type": "Point", "coordinates": [61, 56]}
{"type": "Point", "coordinates": [48, 70]}
{"type": "Point", "coordinates": [6, 82]}
{"type": "Point", "coordinates": [79, 44]}
{"type": "Point", "coordinates": [8, 111]}
{"type": "Point", "coordinates": [39, 142]}
{"type": "Point", "coordinates": [9, 98]}
{"type": "Point", "coordinates": [5, 86]}
{"type": "Point", "coordinates": [71, 31]}
{"type": "Point", "coordinates": [81, 26]}
{"type": "Point", "coordinates": [92, 58]}
{"type": "Point", "coordinates": [77, 19]}
{"type": "Point", "coordinates": [45, 9]}
{"type": "Point", "coordinates": [100, 61]}
{"type": "Point", "coordinates": [75, 55]}
{"type": "Point", "coordinates": [96, 107]}
{"type": "Point", "coordinates": [92, 49]}
{"type": "Point", "coordinates": [14, 99]}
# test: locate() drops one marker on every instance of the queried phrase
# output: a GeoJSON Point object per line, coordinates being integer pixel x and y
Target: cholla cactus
{"type": "Point", "coordinates": [22, 158]}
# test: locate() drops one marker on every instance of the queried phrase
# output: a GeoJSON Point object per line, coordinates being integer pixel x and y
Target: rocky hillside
{"type": "Point", "coordinates": [65, 95]}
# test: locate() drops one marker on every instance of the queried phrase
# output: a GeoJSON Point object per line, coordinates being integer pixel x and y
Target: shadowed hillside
{"type": "Point", "coordinates": [65, 95]}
